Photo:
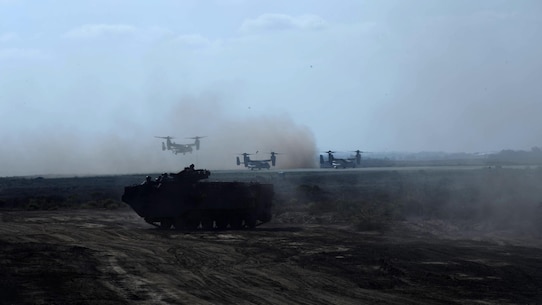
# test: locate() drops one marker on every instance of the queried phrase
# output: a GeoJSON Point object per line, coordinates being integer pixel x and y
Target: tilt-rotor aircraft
{"type": "Point", "coordinates": [177, 148]}
{"type": "Point", "coordinates": [340, 162]}
{"type": "Point", "coordinates": [257, 164]}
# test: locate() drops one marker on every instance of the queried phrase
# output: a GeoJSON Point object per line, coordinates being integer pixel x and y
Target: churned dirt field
{"type": "Point", "coordinates": [320, 248]}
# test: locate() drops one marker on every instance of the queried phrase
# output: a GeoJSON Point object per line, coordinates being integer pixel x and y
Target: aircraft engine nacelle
{"type": "Point", "coordinates": [273, 160]}
{"type": "Point", "coordinates": [238, 161]}
{"type": "Point", "coordinates": [197, 144]}
{"type": "Point", "coordinates": [322, 159]}
{"type": "Point", "coordinates": [163, 146]}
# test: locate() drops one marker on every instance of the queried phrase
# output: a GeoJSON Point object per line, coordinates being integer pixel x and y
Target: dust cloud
{"type": "Point", "coordinates": [131, 147]}
{"type": "Point", "coordinates": [227, 137]}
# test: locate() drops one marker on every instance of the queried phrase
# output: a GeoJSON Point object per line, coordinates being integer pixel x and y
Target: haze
{"type": "Point", "coordinates": [85, 86]}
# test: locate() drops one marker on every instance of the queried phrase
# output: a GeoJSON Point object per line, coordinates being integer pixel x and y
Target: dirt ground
{"type": "Point", "coordinates": [111, 256]}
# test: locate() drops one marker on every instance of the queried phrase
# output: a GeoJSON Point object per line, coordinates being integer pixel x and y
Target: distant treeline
{"type": "Point", "coordinates": [71, 192]}
{"type": "Point", "coordinates": [504, 157]}
{"type": "Point", "coordinates": [517, 157]}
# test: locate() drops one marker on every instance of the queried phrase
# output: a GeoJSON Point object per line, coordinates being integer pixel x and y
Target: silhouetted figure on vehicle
{"type": "Point", "coordinates": [189, 169]}
{"type": "Point", "coordinates": [161, 178]}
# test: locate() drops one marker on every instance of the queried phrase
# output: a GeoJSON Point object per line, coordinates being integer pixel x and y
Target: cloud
{"type": "Point", "coordinates": [21, 53]}
{"type": "Point", "coordinates": [9, 2]}
{"type": "Point", "coordinates": [101, 30]}
{"type": "Point", "coordinates": [231, 2]}
{"type": "Point", "coordinates": [10, 36]}
{"type": "Point", "coordinates": [193, 40]}
{"type": "Point", "coordinates": [155, 32]}
{"type": "Point", "coordinates": [120, 31]}
{"type": "Point", "coordinates": [278, 22]}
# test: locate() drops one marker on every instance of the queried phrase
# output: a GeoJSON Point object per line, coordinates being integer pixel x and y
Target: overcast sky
{"type": "Point", "coordinates": [86, 85]}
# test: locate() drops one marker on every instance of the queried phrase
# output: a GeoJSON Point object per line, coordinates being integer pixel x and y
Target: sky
{"type": "Point", "coordinates": [85, 86]}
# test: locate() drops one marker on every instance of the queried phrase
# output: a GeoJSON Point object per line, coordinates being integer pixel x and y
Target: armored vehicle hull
{"type": "Point", "coordinates": [182, 201]}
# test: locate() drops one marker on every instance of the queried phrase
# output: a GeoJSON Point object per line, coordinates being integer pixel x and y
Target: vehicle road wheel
{"type": "Point", "coordinates": [250, 221]}
{"type": "Point", "coordinates": [166, 224]}
{"type": "Point", "coordinates": [207, 224]}
{"type": "Point", "coordinates": [192, 224]}
{"type": "Point", "coordinates": [179, 223]}
{"type": "Point", "coordinates": [221, 223]}
{"type": "Point", "coordinates": [236, 222]}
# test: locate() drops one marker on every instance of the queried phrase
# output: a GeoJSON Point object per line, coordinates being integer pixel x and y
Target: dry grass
{"type": "Point", "coordinates": [368, 200]}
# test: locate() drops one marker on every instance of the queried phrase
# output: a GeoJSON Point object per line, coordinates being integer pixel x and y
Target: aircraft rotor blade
{"type": "Point", "coordinates": [166, 137]}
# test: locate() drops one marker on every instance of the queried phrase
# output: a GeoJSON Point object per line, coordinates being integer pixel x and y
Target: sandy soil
{"type": "Point", "coordinates": [114, 257]}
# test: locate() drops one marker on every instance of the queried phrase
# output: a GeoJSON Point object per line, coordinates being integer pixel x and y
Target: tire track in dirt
{"type": "Point", "coordinates": [130, 262]}
{"type": "Point", "coordinates": [148, 266]}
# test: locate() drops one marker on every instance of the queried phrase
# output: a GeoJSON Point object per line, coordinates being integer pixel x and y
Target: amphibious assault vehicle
{"type": "Point", "coordinates": [181, 200]}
